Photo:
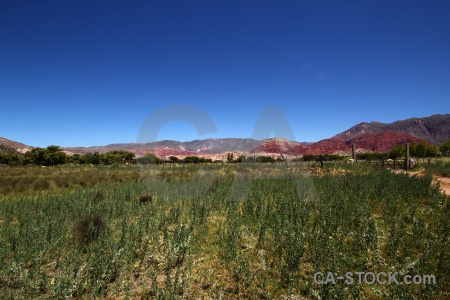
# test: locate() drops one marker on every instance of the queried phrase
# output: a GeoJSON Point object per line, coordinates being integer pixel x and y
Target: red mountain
{"type": "Point", "coordinates": [329, 146]}
{"type": "Point", "coordinates": [371, 141]}
{"type": "Point", "coordinates": [279, 145]}
{"type": "Point", "coordinates": [433, 129]}
{"type": "Point", "coordinates": [382, 141]}
{"type": "Point", "coordinates": [374, 136]}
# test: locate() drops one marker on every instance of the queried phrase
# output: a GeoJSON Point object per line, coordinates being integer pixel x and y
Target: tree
{"type": "Point", "coordinates": [418, 149]}
{"type": "Point", "coordinates": [94, 159]}
{"type": "Point", "coordinates": [149, 158]}
{"type": "Point", "coordinates": [76, 159]}
{"type": "Point", "coordinates": [50, 156]}
{"type": "Point", "coordinates": [445, 148]}
{"type": "Point", "coordinates": [191, 160]}
{"type": "Point", "coordinates": [397, 152]}
{"type": "Point", "coordinates": [117, 157]}
{"type": "Point", "coordinates": [230, 157]}
{"type": "Point", "coordinates": [432, 151]}
{"type": "Point", "coordinates": [54, 156]}
{"type": "Point", "coordinates": [10, 159]}
{"type": "Point", "coordinates": [240, 159]}
{"type": "Point", "coordinates": [423, 149]}
{"type": "Point", "coordinates": [174, 159]}
{"type": "Point", "coordinates": [35, 156]}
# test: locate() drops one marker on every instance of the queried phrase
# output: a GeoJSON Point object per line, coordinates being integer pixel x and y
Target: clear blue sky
{"type": "Point", "coordinates": [85, 73]}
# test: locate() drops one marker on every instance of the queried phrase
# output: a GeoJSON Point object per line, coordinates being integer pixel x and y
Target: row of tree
{"type": "Point", "coordinates": [421, 149]}
{"type": "Point", "coordinates": [153, 159]}
{"type": "Point", "coordinates": [54, 155]}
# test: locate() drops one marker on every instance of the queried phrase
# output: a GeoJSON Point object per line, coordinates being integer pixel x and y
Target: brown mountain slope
{"type": "Point", "coordinates": [168, 147]}
{"type": "Point", "coordinates": [434, 129]}
{"type": "Point", "coordinates": [372, 141]}
{"type": "Point", "coordinates": [372, 136]}
{"type": "Point", "coordinates": [8, 146]}
{"type": "Point", "coordinates": [382, 141]}
{"type": "Point", "coordinates": [279, 145]}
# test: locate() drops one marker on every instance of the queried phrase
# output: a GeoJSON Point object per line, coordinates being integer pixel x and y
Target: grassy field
{"type": "Point", "coordinates": [219, 232]}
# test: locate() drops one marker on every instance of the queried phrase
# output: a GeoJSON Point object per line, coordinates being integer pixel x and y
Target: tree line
{"type": "Point", "coordinates": [54, 155]}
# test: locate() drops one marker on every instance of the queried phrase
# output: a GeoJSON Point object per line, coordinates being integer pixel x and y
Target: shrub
{"type": "Point", "coordinates": [145, 198]}
{"type": "Point", "coordinates": [88, 229]}
{"type": "Point", "coordinates": [99, 196]}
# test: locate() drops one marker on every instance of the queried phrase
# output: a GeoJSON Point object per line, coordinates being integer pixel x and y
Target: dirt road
{"type": "Point", "coordinates": [444, 184]}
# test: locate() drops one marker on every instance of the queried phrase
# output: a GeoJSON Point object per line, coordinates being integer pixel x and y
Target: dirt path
{"type": "Point", "coordinates": [444, 182]}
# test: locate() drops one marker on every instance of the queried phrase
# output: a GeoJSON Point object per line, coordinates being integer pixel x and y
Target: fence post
{"type": "Point", "coordinates": [353, 152]}
{"type": "Point", "coordinates": [407, 156]}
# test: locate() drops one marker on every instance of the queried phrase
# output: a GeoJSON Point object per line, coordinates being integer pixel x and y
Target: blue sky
{"type": "Point", "coordinates": [85, 73]}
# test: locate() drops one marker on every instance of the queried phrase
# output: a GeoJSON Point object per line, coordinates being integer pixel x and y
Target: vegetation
{"type": "Point", "coordinates": [54, 156]}
{"type": "Point", "coordinates": [445, 148]}
{"type": "Point", "coordinates": [149, 158]}
{"type": "Point", "coordinates": [28, 179]}
{"type": "Point", "coordinates": [397, 152]}
{"type": "Point", "coordinates": [230, 157]}
{"type": "Point", "coordinates": [226, 232]}
{"type": "Point", "coordinates": [441, 167]}
{"type": "Point", "coordinates": [326, 157]}
{"type": "Point", "coordinates": [423, 149]}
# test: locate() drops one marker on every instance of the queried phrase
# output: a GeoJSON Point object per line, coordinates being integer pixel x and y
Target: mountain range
{"type": "Point", "coordinates": [368, 137]}
{"type": "Point", "coordinates": [434, 129]}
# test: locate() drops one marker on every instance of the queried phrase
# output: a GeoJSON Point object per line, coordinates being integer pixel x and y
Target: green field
{"type": "Point", "coordinates": [222, 232]}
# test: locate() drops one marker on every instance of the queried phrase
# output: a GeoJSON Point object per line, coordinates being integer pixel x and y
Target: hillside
{"type": "Point", "coordinates": [371, 141]}
{"type": "Point", "coordinates": [8, 146]}
{"type": "Point", "coordinates": [374, 136]}
{"type": "Point", "coordinates": [168, 147]}
{"type": "Point", "coordinates": [434, 129]}
{"type": "Point", "coordinates": [279, 145]}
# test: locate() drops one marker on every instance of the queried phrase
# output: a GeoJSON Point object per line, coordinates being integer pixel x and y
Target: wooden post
{"type": "Point", "coordinates": [321, 161]}
{"type": "Point", "coordinates": [353, 152]}
{"type": "Point", "coordinates": [407, 156]}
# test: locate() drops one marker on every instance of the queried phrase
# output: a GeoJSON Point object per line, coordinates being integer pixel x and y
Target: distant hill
{"type": "Point", "coordinates": [369, 141]}
{"type": "Point", "coordinates": [279, 145]}
{"type": "Point", "coordinates": [8, 146]}
{"type": "Point", "coordinates": [168, 147]}
{"type": "Point", "coordinates": [434, 129]}
{"type": "Point", "coordinates": [374, 136]}
{"type": "Point", "coordinates": [365, 142]}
